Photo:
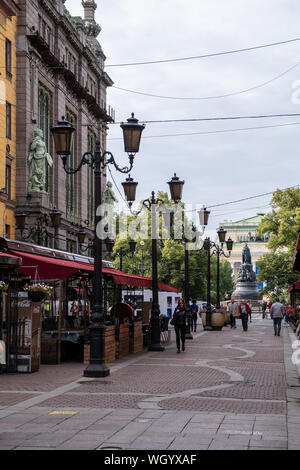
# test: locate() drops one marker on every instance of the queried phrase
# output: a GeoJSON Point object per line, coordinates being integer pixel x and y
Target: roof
{"type": "Point", "coordinates": [250, 221]}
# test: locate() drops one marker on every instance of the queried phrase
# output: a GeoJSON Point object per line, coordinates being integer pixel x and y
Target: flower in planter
{"type": "Point", "coordinates": [3, 286]}
{"type": "Point", "coordinates": [40, 287]}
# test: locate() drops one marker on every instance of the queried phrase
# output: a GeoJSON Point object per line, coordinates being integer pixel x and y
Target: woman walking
{"type": "Point", "coordinates": [179, 321]}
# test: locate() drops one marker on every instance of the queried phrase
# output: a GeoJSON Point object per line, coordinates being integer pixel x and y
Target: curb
{"type": "Point", "coordinates": [292, 373]}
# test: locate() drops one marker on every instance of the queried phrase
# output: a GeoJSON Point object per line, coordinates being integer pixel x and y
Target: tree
{"type": "Point", "coordinates": [282, 226]}
{"type": "Point", "coordinates": [275, 269]}
{"type": "Point", "coordinates": [283, 223]}
{"type": "Point", "coordinates": [171, 262]}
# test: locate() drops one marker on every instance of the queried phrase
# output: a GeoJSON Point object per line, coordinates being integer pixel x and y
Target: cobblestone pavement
{"type": "Point", "coordinates": [230, 389]}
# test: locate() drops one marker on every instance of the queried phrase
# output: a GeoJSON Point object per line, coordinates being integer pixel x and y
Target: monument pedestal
{"type": "Point", "coordinates": [246, 290]}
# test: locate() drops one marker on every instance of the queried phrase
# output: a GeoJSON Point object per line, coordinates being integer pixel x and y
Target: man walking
{"type": "Point", "coordinates": [277, 312]}
{"type": "Point", "coordinates": [194, 311]}
{"type": "Point", "coordinates": [232, 309]}
{"type": "Point", "coordinates": [264, 308]}
{"type": "Point", "coordinates": [243, 311]}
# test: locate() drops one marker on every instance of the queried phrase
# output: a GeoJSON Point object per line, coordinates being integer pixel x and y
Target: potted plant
{"type": "Point", "coordinates": [217, 317]}
{"type": "Point", "coordinates": [38, 291]}
{"type": "Point", "coordinates": [3, 286]}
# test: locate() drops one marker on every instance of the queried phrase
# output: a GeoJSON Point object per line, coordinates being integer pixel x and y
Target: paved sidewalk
{"type": "Point", "coordinates": [230, 390]}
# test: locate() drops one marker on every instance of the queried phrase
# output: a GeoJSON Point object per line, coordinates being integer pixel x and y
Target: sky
{"type": "Point", "coordinates": [217, 167]}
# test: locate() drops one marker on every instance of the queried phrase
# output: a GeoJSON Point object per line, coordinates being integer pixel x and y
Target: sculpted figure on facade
{"type": "Point", "coordinates": [108, 195]}
{"type": "Point", "coordinates": [37, 160]}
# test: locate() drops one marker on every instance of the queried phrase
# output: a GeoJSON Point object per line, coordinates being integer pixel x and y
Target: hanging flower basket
{"type": "Point", "coordinates": [3, 286]}
{"type": "Point", "coordinates": [37, 292]}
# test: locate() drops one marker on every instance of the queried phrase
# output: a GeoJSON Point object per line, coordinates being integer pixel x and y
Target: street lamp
{"type": "Point", "coordinates": [43, 221]}
{"type": "Point", "coordinates": [218, 251]}
{"type": "Point", "coordinates": [176, 187]}
{"type": "Point", "coordinates": [63, 134]}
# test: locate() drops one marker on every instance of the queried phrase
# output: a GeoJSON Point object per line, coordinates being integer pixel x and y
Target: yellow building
{"type": "Point", "coordinates": [242, 232]}
{"type": "Point", "coordinates": [8, 28]}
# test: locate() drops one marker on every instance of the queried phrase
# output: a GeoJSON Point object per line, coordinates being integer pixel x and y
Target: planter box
{"type": "Point", "coordinates": [217, 320]}
{"type": "Point", "coordinates": [110, 347]}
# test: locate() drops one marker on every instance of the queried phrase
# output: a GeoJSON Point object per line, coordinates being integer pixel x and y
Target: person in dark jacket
{"type": "Point", "coordinates": [179, 321]}
{"type": "Point", "coordinates": [194, 312]}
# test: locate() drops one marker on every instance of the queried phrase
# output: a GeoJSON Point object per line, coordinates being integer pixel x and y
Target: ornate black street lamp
{"type": "Point", "coordinates": [218, 251]}
{"type": "Point", "coordinates": [62, 134]}
{"type": "Point", "coordinates": [176, 187]}
{"type": "Point", "coordinates": [40, 229]}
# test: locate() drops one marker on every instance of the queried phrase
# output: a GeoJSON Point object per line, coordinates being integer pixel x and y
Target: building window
{"type": "Point", "coordinates": [8, 120]}
{"type": "Point", "coordinates": [7, 231]}
{"type": "Point", "coordinates": [70, 179]}
{"type": "Point", "coordinates": [44, 124]}
{"type": "Point", "coordinates": [71, 246]}
{"type": "Point", "coordinates": [8, 56]}
{"type": "Point", "coordinates": [8, 181]}
{"type": "Point", "coordinates": [90, 188]}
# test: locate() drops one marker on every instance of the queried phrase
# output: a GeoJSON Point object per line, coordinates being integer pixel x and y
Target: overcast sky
{"type": "Point", "coordinates": [216, 167]}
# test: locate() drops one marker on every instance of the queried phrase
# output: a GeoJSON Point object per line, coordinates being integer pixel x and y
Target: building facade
{"type": "Point", "coordinates": [8, 28]}
{"type": "Point", "coordinates": [60, 73]}
{"type": "Point", "coordinates": [245, 231]}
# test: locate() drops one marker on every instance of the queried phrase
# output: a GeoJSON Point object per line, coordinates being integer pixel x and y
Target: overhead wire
{"type": "Point", "coordinates": [203, 56]}
{"type": "Point", "coordinates": [212, 132]}
{"type": "Point", "coordinates": [209, 97]}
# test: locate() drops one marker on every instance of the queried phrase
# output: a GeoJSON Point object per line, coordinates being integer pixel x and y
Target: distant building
{"type": "Point", "coordinates": [245, 231]}
{"type": "Point", "coordinates": [8, 97]}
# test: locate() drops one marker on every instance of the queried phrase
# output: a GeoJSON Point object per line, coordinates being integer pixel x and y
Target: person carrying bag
{"type": "Point", "coordinates": [179, 322]}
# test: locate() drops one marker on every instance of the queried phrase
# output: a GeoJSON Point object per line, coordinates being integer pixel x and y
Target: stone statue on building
{"type": "Point", "coordinates": [108, 195]}
{"type": "Point", "coordinates": [38, 159]}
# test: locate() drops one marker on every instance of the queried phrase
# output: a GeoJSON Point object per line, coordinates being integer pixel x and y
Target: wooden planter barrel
{"type": "Point", "coordinates": [217, 320]}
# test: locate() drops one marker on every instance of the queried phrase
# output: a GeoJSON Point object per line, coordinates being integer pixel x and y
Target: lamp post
{"type": "Point", "coordinates": [98, 160]}
{"type": "Point", "coordinates": [176, 186]}
{"type": "Point", "coordinates": [218, 251]}
{"type": "Point", "coordinates": [208, 244]}
{"type": "Point", "coordinates": [40, 228]}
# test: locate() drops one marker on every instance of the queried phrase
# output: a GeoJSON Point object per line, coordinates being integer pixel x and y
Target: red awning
{"type": "Point", "coordinates": [49, 268]}
{"type": "Point", "coordinates": [295, 286]}
{"type": "Point", "coordinates": [55, 268]}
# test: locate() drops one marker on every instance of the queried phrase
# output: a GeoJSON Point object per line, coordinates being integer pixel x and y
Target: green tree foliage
{"type": "Point", "coordinates": [282, 225]}
{"type": "Point", "coordinates": [171, 263]}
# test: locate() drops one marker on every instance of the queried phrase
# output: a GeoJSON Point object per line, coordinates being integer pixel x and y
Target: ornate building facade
{"type": "Point", "coordinates": [60, 74]}
{"type": "Point", "coordinates": [245, 231]}
{"type": "Point", "coordinates": [8, 28]}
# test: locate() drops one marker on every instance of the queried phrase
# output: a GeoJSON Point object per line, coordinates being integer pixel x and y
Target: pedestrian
{"type": "Point", "coordinates": [264, 308]}
{"type": "Point", "coordinates": [232, 309]}
{"type": "Point", "coordinates": [269, 305]}
{"type": "Point", "coordinates": [179, 321]}
{"type": "Point", "coordinates": [250, 313]}
{"type": "Point", "coordinates": [243, 311]}
{"type": "Point", "coordinates": [194, 315]}
{"type": "Point", "coordinates": [277, 313]}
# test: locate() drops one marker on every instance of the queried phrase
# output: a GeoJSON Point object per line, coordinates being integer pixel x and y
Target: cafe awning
{"type": "Point", "coordinates": [9, 260]}
{"type": "Point", "coordinates": [133, 280]}
{"type": "Point", "coordinates": [296, 258]}
{"type": "Point", "coordinates": [295, 286]}
{"type": "Point", "coordinates": [47, 268]}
